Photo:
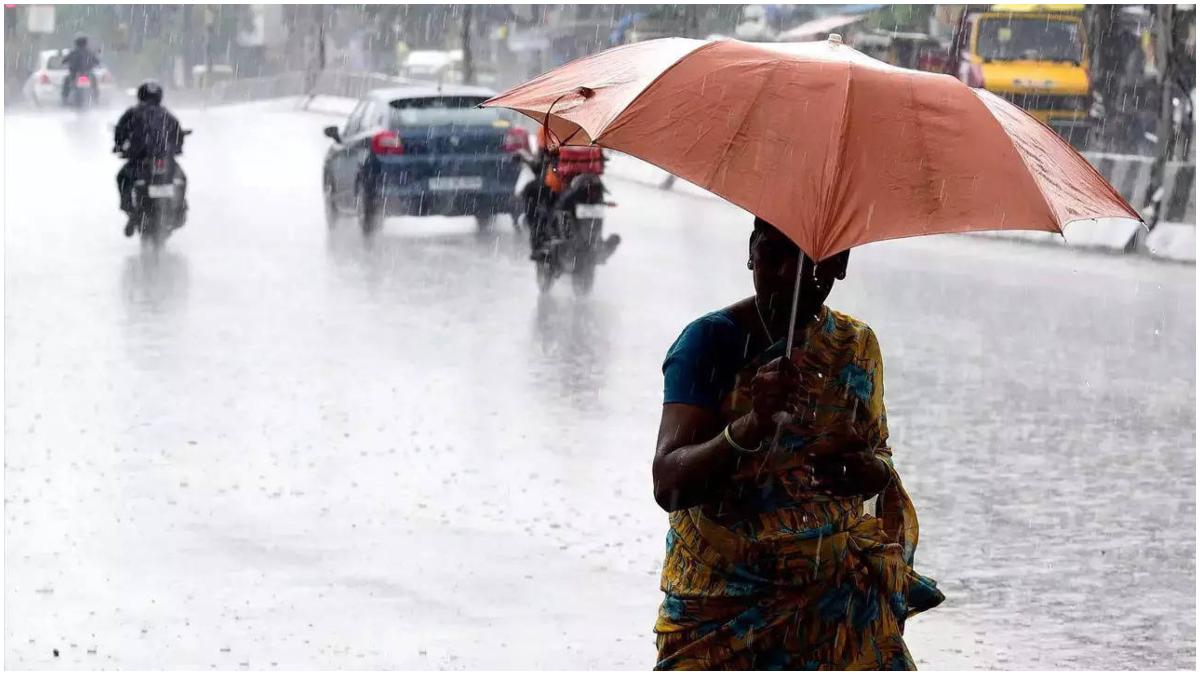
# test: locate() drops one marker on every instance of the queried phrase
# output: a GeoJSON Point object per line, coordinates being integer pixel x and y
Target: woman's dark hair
{"type": "Point", "coordinates": [760, 226]}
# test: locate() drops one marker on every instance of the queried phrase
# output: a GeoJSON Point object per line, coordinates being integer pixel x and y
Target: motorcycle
{"type": "Point", "coordinates": [566, 230]}
{"type": "Point", "coordinates": [159, 196]}
{"type": "Point", "coordinates": [82, 92]}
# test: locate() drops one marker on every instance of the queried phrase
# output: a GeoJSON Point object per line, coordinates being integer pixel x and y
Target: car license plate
{"type": "Point", "coordinates": [455, 183]}
{"type": "Point", "coordinates": [589, 211]}
{"type": "Point", "coordinates": [161, 191]}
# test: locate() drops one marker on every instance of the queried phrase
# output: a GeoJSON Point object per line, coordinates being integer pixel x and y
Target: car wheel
{"type": "Point", "coordinates": [331, 209]}
{"type": "Point", "coordinates": [516, 209]}
{"type": "Point", "coordinates": [545, 276]}
{"type": "Point", "coordinates": [367, 205]}
{"type": "Point", "coordinates": [516, 222]}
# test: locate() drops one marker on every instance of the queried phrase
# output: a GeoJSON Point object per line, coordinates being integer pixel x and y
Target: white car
{"type": "Point", "coordinates": [428, 65]}
{"type": "Point", "coordinates": [44, 86]}
{"type": "Point", "coordinates": [754, 26]}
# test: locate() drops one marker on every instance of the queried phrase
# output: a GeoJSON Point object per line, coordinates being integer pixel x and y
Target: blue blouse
{"type": "Point", "coordinates": [702, 365]}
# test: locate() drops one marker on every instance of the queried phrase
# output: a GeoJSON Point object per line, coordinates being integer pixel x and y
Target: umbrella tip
{"type": "Point", "coordinates": [835, 38]}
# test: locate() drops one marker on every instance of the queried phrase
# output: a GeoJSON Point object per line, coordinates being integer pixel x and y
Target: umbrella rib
{"type": "Point", "coordinates": [1021, 158]}
{"type": "Point", "coordinates": [1086, 165]}
{"type": "Point", "coordinates": [741, 125]}
{"type": "Point", "coordinates": [605, 128]}
{"type": "Point", "coordinates": [839, 161]}
{"type": "Point", "coordinates": [602, 128]}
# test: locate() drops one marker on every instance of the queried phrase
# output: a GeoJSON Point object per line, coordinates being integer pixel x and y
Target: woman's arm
{"type": "Point", "coordinates": [693, 460]}
{"type": "Point", "coordinates": [855, 471]}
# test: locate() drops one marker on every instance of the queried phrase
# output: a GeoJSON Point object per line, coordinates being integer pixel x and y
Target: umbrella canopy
{"type": "Point", "coordinates": [834, 148]}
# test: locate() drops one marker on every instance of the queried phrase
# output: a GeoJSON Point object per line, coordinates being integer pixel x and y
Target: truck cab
{"type": "Point", "coordinates": [1035, 56]}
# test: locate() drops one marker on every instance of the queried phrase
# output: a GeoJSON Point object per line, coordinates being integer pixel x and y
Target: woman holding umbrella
{"type": "Point", "coordinates": [770, 560]}
{"type": "Point", "coordinates": [773, 431]}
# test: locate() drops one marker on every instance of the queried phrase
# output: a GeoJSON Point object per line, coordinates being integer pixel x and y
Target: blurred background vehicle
{"type": "Point", "coordinates": [1037, 57]}
{"type": "Point", "coordinates": [43, 88]}
{"type": "Point", "coordinates": [429, 64]}
{"type": "Point", "coordinates": [423, 150]}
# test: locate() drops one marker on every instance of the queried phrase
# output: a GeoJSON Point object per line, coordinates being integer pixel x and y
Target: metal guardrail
{"type": "Point", "coordinates": [300, 83]}
{"type": "Point", "coordinates": [352, 85]}
{"type": "Point", "coordinates": [256, 88]}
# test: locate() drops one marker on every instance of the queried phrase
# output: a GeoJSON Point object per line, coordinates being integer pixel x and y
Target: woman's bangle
{"type": "Point", "coordinates": [734, 444]}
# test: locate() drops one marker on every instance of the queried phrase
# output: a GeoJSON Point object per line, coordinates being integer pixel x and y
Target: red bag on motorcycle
{"type": "Point", "coordinates": [574, 160]}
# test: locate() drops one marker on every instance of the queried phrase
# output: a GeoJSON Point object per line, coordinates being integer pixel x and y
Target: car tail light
{"type": "Point", "coordinates": [44, 78]}
{"type": "Point", "coordinates": [160, 166]}
{"type": "Point", "coordinates": [516, 140]}
{"type": "Point", "coordinates": [387, 143]}
{"type": "Point", "coordinates": [82, 81]}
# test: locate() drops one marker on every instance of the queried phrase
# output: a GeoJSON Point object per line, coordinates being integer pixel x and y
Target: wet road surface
{"type": "Point", "coordinates": [272, 445]}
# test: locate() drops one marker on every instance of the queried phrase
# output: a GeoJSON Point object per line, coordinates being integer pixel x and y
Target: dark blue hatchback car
{"type": "Point", "coordinates": [423, 151]}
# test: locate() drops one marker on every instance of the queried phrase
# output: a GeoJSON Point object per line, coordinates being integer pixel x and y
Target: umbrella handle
{"type": "Point", "coordinates": [546, 122]}
{"type": "Point", "coordinates": [585, 92]}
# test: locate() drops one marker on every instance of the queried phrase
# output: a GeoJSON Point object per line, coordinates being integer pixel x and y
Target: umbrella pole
{"type": "Point", "coordinates": [791, 339]}
{"type": "Point", "coordinates": [795, 305]}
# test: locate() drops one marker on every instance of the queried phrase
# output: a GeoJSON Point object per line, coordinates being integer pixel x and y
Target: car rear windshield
{"type": "Point", "coordinates": [437, 110]}
{"type": "Point", "coordinates": [1020, 39]}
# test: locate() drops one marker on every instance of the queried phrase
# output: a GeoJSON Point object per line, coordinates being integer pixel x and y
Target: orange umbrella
{"type": "Point", "coordinates": [834, 148]}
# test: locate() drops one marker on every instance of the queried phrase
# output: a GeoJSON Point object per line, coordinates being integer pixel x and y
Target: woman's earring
{"type": "Point", "coordinates": [750, 264]}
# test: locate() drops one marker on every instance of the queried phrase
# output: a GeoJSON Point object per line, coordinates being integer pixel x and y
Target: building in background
{"type": "Point", "coordinates": [1119, 74]}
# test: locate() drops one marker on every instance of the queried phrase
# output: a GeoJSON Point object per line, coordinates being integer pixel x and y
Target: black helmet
{"type": "Point", "coordinates": [150, 92]}
{"type": "Point", "coordinates": [81, 41]}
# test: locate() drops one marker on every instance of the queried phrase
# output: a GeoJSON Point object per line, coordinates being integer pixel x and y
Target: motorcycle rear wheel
{"type": "Point", "coordinates": [331, 209]}
{"type": "Point", "coordinates": [545, 276]}
{"type": "Point", "coordinates": [148, 229]}
{"type": "Point", "coordinates": [157, 219]}
{"type": "Point", "coordinates": [583, 278]}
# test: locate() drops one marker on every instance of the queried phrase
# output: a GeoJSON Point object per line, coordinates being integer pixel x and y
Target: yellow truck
{"type": "Point", "coordinates": [1036, 56]}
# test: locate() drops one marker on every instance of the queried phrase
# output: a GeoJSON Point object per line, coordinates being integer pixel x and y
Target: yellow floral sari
{"type": "Point", "coordinates": [773, 575]}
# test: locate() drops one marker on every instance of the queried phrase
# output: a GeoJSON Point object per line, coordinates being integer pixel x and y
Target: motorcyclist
{"type": "Point", "coordinates": [549, 188]}
{"type": "Point", "coordinates": [539, 194]}
{"type": "Point", "coordinates": [81, 60]}
{"type": "Point", "coordinates": [146, 130]}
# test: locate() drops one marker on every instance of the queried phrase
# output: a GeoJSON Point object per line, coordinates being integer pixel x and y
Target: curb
{"type": "Point", "coordinates": [1173, 241]}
